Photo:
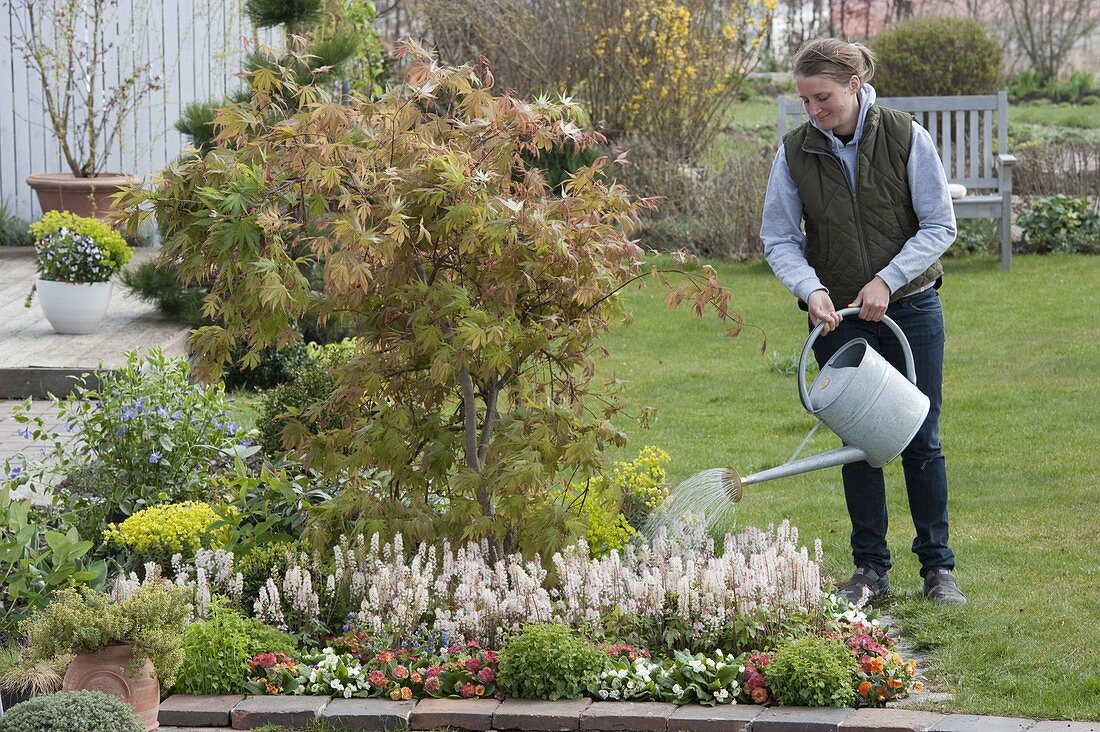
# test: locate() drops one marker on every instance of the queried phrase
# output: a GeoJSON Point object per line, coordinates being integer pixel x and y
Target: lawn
{"type": "Point", "coordinates": [1021, 426]}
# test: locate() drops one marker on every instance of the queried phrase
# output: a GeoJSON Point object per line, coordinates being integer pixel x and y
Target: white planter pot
{"type": "Point", "coordinates": [74, 308]}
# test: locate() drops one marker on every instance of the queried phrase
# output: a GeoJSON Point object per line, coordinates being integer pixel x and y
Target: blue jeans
{"type": "Point", "coordinates": [920, 317]}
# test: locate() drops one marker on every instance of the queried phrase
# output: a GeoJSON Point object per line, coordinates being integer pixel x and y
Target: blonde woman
{"type": "Point", "coordinates": [857, 214]}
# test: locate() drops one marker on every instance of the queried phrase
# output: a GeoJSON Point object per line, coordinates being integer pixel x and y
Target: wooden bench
{"type": "Point", "coordinates": [964, 129]}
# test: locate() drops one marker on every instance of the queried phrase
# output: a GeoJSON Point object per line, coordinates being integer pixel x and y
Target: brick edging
{"type": "Point", "coordinates": [194, 713]}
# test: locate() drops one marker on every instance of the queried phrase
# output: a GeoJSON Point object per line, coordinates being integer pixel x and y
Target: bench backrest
{"type": "Point", "coordinates": [963, 128]}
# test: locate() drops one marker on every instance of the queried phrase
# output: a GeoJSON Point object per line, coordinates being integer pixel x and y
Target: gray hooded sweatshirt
{"type": "Point", "coordinates": [785, 241]}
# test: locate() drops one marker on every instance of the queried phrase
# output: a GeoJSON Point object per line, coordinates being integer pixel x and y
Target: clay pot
{"type": "Point", "coordinates": [82, 196]}
{"type": "Point", "coordinates": [108, 671]}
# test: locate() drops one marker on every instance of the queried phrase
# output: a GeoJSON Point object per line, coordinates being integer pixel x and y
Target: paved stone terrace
{"type": "Point", "coordinates": [34, 359]}
{"type": "Point", "coordinates": [213, 713]}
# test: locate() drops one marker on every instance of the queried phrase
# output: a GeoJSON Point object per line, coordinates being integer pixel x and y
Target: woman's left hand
{"type": "Point", "coordinates": [872, 300]}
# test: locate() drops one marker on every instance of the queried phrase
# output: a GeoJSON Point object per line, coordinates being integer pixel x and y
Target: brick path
{"type": "Point", "coordinates": [194, 714]}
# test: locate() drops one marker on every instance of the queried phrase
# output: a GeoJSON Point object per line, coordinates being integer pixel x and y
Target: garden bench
{"type": "Point", "coordinates": [964, 129]}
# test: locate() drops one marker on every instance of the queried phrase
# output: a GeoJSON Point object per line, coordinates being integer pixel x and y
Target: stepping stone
{"type": "Point", "coordinates": [723, 718]}
{"type": "Point", "coordinates": [978, 723]}
{"type": "Point", "coordinates": [631, 716]}
{"type": "Point", "coordinates": [183, 710]}
{"type": "Point", "coordinates": [541, 715]}
{"type": "Point", "coordinates": [288, 711]}
{"type": "Point", "coordinates": [890, 720]}
{"type": "Point", "coordinates": [468, 714]}
{"type": "Point", "coordinates": [800, 719]}
{"type": "Point", "coordinates": [369, 714]}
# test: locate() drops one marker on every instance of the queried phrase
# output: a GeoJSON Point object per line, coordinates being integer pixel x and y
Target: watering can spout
{"type": "Point", "coordinates": [734, 483]}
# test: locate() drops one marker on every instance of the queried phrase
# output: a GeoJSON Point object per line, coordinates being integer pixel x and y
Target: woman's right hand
{"type": "Point", "coordinates": [821, 310]}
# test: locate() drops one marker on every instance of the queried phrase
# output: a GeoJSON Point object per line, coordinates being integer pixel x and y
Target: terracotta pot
{"type": "Point", "coordinates": [82, 196]}
{"type": "Point", "coordinates": [108, 671]}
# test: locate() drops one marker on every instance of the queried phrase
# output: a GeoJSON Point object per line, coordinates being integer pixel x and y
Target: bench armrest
{"type": "Point", "coordinates": [1005, 159]}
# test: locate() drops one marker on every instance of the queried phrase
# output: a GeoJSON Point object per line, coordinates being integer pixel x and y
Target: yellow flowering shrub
{"type": "Point", "coordinates": [662, 71]}
{"type": "Point", "coordinates": [684, 61]}
{"type": "Point", "coordinates": [158, 532]}
{"type": "Point", "coordinates": [615, 507]}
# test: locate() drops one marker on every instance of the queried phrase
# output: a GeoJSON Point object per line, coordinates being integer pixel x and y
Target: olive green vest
{"type": "Point", "coordinates": [850, 236]}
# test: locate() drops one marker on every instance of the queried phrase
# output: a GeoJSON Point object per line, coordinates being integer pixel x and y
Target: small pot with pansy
{"type": "Point", "coordinates": [76, 257]}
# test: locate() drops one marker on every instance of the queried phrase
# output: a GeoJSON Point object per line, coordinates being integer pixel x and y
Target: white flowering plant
{"type": "Point", "coordinates": [700, 678]}
{"type": "Point", "coordinates": [333, 674]}
{"type": "Point", "coordinates": [630, 680]}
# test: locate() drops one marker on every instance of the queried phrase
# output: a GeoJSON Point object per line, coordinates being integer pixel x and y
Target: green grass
{"type": "Point", "coordinates": [1056, 115]}
{"type": "Point", "coordinates": [1020, 428]}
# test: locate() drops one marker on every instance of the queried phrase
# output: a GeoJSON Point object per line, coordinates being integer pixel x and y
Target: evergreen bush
{"type": "Point", "coordinates": [814, 672]}
{"type": "Point", "coordinates": [67, 711]}
{"type": "Point", "coordinates": [216, 651]}
{"type": "Point", "coordinates": [937, 57]}
{"type": "Point", "coordinates": [550, 662]}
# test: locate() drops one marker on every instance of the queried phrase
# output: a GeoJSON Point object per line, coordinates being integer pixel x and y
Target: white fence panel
{"type": "Point", "coordinates": [195, 45]}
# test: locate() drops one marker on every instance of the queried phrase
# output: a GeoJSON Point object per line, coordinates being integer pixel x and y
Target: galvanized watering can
{"type": "Point", "coordinates": [873, 407]}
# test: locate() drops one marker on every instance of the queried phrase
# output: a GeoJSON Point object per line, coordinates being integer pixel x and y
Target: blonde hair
{"type": "Point", "coordinates": [834, 59]}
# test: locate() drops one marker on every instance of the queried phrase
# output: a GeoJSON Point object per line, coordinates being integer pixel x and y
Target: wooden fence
{"type": "Point", "coordinates": [195, 45]}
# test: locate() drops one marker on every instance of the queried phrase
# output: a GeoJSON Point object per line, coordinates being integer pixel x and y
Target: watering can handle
{"type": "Point", "coordinates": [803, 392]}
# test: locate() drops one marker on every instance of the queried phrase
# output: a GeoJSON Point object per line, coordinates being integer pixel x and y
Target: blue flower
{"type": "Point", "coordinates": [246, 443]}
{"type": "Point", "coordinates": [231, 428]}
{"type": "Point", "coordinates": [154, 458]}
{"type": "Point", "coordinates": [128, 413]}
{"type": "Point", "coordinates": [121, 430]}
{"type": "Point", "coordinates": [15, 472]}
{"type": "Point", "coordinates": [25, 433]}
{"type": "Point", "coordinates": [176, 414]}
{"type": "Point", "coordinates": [162, 412]}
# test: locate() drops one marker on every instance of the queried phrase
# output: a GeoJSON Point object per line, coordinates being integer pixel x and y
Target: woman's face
{"type": "Point", "coordinates": [832, 106]}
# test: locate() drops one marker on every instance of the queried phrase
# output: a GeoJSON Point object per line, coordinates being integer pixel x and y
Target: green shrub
{"type": "Point", "coordinates": [156, 282]}
{"type": "Point", "coordinates": [66, 711]}
{"type": "Point", "coordinates": [976, 236]}
{"type": "Point", "coordinates": [276, 366]}
{"type": "Point", "coordinates": [561, 161]}
{"type": "Point", "coordinates": [312, 382]}
{"type": "Point", "coordinates": [148, 435]}
{"type": "Point", "coordinates": [937, 57]}
{"type": "Point", "coordinates": [1079, 87]}
{"type": "Point", "coordinates": [85, 621]}
{"type": "Point", "coordinates": [267, 501]}
{"type": "Point", "coordinates": [1061, 223]}
{"type": "Point", "coordinates": [14, 231]}
{"type": "Point", "coordinates": [814, 672]}
{"type": "Point", "coordinates": [550, 662]}
{"type": "Point", "coordinates": [216, 651]}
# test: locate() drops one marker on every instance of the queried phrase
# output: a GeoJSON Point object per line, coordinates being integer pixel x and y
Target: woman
{"type": "Point", "coordinates": [867, 184]}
